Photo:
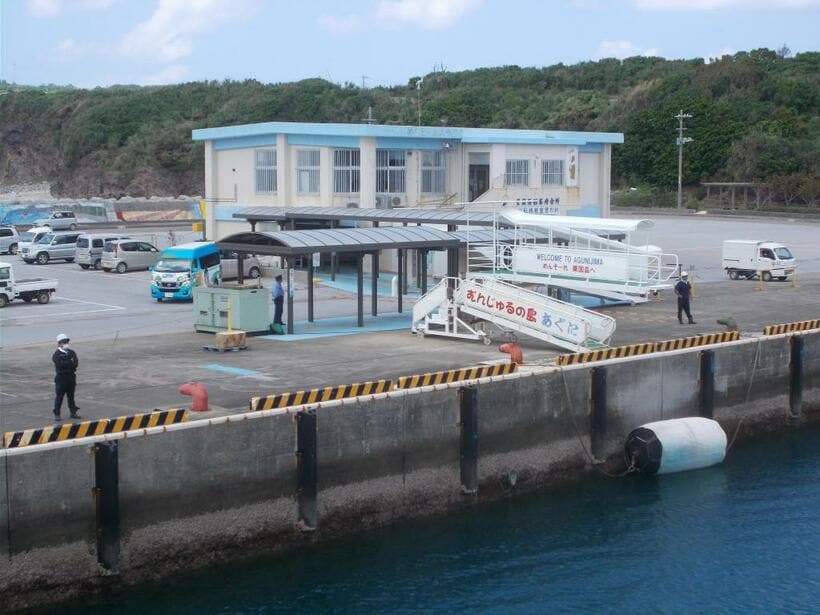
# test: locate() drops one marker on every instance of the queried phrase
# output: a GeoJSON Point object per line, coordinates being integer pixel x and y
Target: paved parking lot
{"type": "Point", "coordinates": [135, 353]}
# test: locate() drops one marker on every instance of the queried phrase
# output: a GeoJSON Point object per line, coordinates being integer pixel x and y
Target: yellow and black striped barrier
{"type": "Point", "coordinates": [603, 354]}
{"type": "Point", "coordinates": [619, 352]}
{"type": "Point", "coordinates": [791, 327]}
{"type": "Point", "coordinates": [454, 375]}
{"type": "Point", "coordinates": [697, 340]}
{"type": "Point", "coordinates": [312, 396]}
{"type": "Point", "coordinates": [99, 427]}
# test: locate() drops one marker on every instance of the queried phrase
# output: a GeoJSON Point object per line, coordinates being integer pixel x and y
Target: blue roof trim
{"type": "Point", "coordinates": [468, 135]}
{"type": "Point", "coordinates": [243, 142]}
{"type": "Point", "coordinates": [591, 148]}
{"type": "Point", "coordinates": [523, 140]}
{"type": "Point", "coordinates": [396, 143]}
{"type": "Point", "coordinates": [323, 140]}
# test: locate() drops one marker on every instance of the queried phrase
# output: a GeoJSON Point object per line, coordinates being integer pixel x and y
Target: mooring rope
{"type": "Point", "coordinates": [593, 462]}
{"type": "Point", "coordinates": [748, 394]}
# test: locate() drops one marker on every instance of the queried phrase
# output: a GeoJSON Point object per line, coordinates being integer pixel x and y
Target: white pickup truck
{"type": "Point", "coordinates": [747, 258]}
{"type": "Point", "coordinates": [27, 290]}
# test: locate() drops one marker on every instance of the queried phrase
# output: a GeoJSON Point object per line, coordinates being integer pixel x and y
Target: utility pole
{"type": "Point", "coordinates": [369, 119]}
{"type": "Point", "coordinates": [418, 90]}
{"type": "Point", "coordinates": [681, 141]}
{"type": "Point", "coordinates": [364, 79]}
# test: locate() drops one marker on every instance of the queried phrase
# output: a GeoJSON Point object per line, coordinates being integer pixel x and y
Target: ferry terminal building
{"type": "Point", "coordinates": [371, 166]}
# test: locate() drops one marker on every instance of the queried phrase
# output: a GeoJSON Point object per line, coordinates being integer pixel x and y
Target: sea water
{"type": "Point", "coordinates": [741, 537]}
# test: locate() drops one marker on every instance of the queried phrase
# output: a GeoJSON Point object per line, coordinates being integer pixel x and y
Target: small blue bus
{"type": "Point", "coordinates": [181, 268]}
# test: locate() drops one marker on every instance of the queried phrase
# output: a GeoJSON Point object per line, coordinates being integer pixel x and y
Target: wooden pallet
{"type": "Point", "coordinates": [215, 349]}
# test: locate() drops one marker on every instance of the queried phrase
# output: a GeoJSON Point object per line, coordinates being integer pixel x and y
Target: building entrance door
{"type": "Point", "coordinates": [479, 179]}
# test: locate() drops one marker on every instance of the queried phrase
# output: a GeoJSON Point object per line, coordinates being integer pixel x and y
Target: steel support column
{"type": "Point", "coordinates": [374, 284]}
{"type": "Point", "coordinates": [400, 285]}
{"type": "Point", "coordinates": [360, 289]}
{"type": "Point", "coordinates": [424, 272]}
{"type": "Point", "coordinates": [310, 288]}
{"type": "Point", "coordinates": [289, 293]}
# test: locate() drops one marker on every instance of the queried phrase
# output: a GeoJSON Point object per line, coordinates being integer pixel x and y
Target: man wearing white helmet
{"type": "Point", "coordinates": [683, 289]}
{"type": "Point", "coordinates": [65, 381]}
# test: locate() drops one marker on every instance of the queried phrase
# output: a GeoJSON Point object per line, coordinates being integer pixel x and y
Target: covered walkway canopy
{"type": "Point", "coordinates": [287, 216]}
{"type": "Point", "coordinates": [359, 241]}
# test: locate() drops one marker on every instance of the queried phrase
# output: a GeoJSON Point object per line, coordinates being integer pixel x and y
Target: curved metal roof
{"type": "Point", "coordinates": [520, 218]}
{"type": "Point", "coordinates": [291, 243]}
{"type": "Point", "coordinates": [408, 215]}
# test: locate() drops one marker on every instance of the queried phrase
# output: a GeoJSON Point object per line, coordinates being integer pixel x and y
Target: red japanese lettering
{"type": "Point", "coordinates": [532, 316]}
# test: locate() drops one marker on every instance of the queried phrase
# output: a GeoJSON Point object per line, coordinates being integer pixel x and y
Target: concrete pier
{"type": "Point", "coordinates": [226, 485]}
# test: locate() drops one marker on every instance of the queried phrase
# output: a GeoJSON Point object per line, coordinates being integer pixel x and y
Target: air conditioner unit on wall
{"type": "Point", "coordinates": [397, 201]}
{"type": "Point", "coordinates": [352, 205]}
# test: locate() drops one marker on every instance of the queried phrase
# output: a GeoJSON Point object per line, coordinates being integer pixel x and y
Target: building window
{"type": "Point", "coordinates": [552, 172]}
{"type": "Point", "coordinates": [433, 172]}
{"type": "Point", "coordinates": [265, 171]}
{"type": "Point", "coordinates": [346, 169]}
{"type": "Point", "coordinates": [518, 173]}
{"type": "Point", "coordinates": [390, 170]}
{"type": "Point", "coordinates": [307, 171]}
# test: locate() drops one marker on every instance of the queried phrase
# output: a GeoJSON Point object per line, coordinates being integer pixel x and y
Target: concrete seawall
{"type": "Point", "coordinates": [198, 492]}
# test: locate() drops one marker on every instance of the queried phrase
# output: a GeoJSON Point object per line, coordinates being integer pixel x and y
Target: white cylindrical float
{"type": "Point", "coordinates": [676, 445]}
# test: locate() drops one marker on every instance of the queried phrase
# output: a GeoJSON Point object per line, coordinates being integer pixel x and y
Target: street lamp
{"type": "Point", "coordinates": [681, 141]}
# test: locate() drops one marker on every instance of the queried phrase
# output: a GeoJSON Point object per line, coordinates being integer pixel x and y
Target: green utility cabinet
{"type": "Point", "coordinates": [248, 307]}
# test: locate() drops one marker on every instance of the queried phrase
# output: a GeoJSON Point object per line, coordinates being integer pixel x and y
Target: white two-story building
{"type": "Point", "coordinates": [285, 164]}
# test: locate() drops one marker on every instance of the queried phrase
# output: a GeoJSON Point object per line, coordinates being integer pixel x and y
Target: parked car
{"type": "Point", "coordinates": [27, 290]}
{"type": "Point", "coordinates": [59, 221]}
{"type": "Point", "coordinates": [53, 246]}
{"type": "Point", "coordinates": [123, 255]}
{"type": "Point", "coordinates": [90, 248]}
{"type": "Point", "coordinates": [251, 267]}
{"type": "Point", "coordinates": [9, 239]}
{"type": "Point", "coordinates": [34, 234]}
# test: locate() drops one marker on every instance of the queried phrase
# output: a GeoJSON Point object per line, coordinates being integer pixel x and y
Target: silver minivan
{"type": "Point", "coordinates": [59, 220]}
{"type": "Point", "coordinates": [90, 248]}
{"type": "Point", "coordinates": [251, 267]}
{"type": "Point", "coordinates": [9, 239]}
{"type": "Point", "coordinates": [33, 235]}
{"type": "Point", "coordinates": [53, 246]}
{"type": "Point", "coordinates": [123, 255]}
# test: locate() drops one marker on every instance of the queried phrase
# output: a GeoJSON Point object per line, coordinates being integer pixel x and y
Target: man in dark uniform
{"type": "Point", "coordinates": [683, 289]}
{"type": "Point", "coordinates": [65, 380]}
{"type": "Point", "coordinates": [277, 293]}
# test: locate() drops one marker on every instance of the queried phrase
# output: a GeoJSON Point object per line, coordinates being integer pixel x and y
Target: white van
{"type": "Point", "coordinates": [747, 258]}
{"type": "Point", "coordinates": [33, 235]}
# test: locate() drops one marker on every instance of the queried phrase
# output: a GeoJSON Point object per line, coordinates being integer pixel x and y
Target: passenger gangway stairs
{"type": "Point", "coordinates": [571, 254]}
{"type": "Point", "coordinates": [446, 308]}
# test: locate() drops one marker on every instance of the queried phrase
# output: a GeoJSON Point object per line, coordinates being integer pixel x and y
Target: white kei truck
{"type": "Point", "coordinates": [28, 290]}
{"type": "Point", "coordinates": [748, 258]}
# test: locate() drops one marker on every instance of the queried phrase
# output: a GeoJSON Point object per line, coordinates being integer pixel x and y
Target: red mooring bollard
{"type": "Point", "coordinates": [198, 393]}
{"type": "Point", "coordinates": [514, 350]}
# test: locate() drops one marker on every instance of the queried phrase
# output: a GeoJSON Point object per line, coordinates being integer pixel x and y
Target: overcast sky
{"type": "Point", "coordinates": [91, 43]}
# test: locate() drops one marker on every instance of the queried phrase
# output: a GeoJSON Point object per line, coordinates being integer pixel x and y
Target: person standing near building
{"type": "Point", "coordinates": [277, 293]}
{"type": "Point", "coordinates": [683, 289]}
{"type": "Point", "coordinates": [65, 380]}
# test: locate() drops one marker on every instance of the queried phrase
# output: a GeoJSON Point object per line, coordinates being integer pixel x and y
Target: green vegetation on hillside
{"type": "Point", "coordinates": [756, 119]}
